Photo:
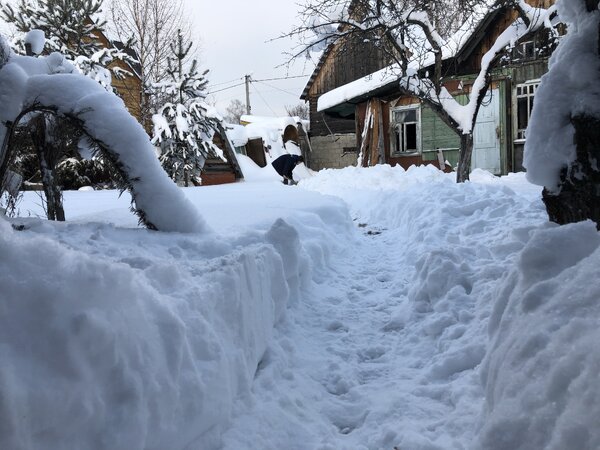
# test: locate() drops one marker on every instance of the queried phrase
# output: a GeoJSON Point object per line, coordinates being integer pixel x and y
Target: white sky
{"type": "Point", "coordinates": [234, 37]}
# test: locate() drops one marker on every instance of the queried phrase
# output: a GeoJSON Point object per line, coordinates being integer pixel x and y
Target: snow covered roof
{"type": "Point", "coordinates": [461, 42]}
{"type": "Point", "coordinates": [134, 61]}
{"type": "Point", "coordinates": [353, 90]}
{"type": "Point", "coordinates": [272, 130]}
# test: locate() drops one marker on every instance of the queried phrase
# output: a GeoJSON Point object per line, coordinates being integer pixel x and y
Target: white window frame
{"type": "Point", "coordinates": [394, 151]}
{"type": "Point", "coordinates": [519, 52]}
{"type": "Point", "coordinates": [523, 90]}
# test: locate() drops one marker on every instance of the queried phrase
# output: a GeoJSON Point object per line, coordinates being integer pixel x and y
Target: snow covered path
{"type": "Point", "coordinates": [349, 348]}
{"type": "Point", "coordinates": [386, 348]}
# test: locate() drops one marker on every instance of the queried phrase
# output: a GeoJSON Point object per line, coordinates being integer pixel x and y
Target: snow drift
{"type": "Point", "coordinates": [444, 316]}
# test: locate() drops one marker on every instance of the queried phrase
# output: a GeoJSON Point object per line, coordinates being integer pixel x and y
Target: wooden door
{"type": "Point", "coordinates": [486, 136]}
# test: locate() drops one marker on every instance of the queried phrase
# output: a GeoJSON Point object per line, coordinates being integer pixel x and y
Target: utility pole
{"type": "Point", "coordinates": [248, 109]}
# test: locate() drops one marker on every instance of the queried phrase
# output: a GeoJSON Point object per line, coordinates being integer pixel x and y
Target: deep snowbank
{"type": "Point", "coordinates": [125, 339]}
{"type": "Point", "coordinates": [541, 371]}
{"type": "Point", "coordinates": [468, 322]}
{"type": "Point", "coordinates": [146, 351]}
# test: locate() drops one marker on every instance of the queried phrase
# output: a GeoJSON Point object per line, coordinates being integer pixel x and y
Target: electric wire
{"type": "Point", "coordinates": [295, 94]}
{"type": "Point", "coordinates": [224, 89]}
{"type": "Point", "coordinates": [262, 98]}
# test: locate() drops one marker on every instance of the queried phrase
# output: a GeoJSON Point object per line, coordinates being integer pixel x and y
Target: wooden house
{"type": "Point", "coordinates": [333, 136]}
{"type": "Point", "coordinates": [405, 131]}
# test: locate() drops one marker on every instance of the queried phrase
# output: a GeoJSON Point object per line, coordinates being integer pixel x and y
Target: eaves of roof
{"type": "Point", "coordinates": [315, 73]}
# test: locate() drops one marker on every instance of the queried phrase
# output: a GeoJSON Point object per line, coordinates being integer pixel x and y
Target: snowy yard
{"type": "Point", "coordinates": [363, 309]}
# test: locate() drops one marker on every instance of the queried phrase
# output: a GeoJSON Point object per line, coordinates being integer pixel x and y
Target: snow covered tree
{"type": "Point", "coordinates": [414, 36]}
{"type": "Point", "coordinates": [562, 152]}
{"type": "Point", "coordinates": [183, 126]}
{"type": "Point", "coordinates": [67, 24]}
{"type": "Point", "coordinates": [52, 86]}
{"type": "Point", "coordinates": [70, 27]}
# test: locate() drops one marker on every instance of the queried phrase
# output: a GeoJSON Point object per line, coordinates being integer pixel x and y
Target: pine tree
{"type": "Point", "coordinates": [183, 126]}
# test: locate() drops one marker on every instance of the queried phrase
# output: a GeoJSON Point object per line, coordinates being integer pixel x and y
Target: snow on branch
{"type": "Point", "coordinates": [35, 84]}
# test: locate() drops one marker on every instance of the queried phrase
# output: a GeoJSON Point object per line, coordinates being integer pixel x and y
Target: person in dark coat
{"type": "Point", "coordinates": [284, 165]}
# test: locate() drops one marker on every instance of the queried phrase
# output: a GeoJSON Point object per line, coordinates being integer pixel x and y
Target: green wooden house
{"type": "Point", "coordinates": [412, 133]}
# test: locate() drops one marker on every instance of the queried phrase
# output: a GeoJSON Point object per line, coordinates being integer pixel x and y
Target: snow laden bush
{"type": "Point", "coordinates": [50, 85]}
{"type": "Point", "coordinates": [72, 28]}
{"type": "Point", "coordinates": [183, 126]}
{"type": "Point", "coordinates": [562, 151]}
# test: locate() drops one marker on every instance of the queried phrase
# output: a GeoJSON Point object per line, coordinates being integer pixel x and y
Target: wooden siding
{"type": "Point", "coordinates": [435, 133]}
{"type": "Point", "coordinates": [532, 70]}
{"type": "Point", "coordinates": [350, 59]}
{"type": "Point", "coordinates": [128, 88]}
{"type": "Point", "coordinates": [322, 124]}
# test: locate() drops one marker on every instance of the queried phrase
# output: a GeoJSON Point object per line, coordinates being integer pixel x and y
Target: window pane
{"type": "Point", "coordinates": [399, 116]}
{"type": "Point", "coordinates": [410, 130]}
{"type": "Point", "coordinates": [411, 116]}
{"type": "Point", "coordinates": [522, 113]}
{"type": "Point", "coordinates": [529, 49]}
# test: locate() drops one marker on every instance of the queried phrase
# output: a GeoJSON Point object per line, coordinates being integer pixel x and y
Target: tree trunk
{"type": "Point", "coordinates": [47, 155]}
{"type": "Point", "coordinates": [464, 158]}
{"type": "Point", "coordinates": [579, 196]}
{"type": "Point", "coordinates": [54, 207]}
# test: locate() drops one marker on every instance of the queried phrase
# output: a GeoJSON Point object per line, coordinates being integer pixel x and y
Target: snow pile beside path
{"type": "Point", "coordinates": [359, 187]}
{"type": "Point", "coordinates": [130, 339]}
{"type": "Point", "coordinates": [541, 372]}
{"type": "Point", "coordinates": [252, 172]}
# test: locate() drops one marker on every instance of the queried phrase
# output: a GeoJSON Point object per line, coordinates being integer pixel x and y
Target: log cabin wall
{"type": "Point", "coordinates": [128, 88]}
{"type": "Point", "coordinates": [345, 62]}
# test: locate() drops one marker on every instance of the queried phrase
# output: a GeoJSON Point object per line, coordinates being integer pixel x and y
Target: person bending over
{"type": "Point", "coordinates": [284, 166]}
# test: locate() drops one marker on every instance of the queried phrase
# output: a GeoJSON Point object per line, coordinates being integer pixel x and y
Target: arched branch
{"type": "Point", "coordinates": [110, 155]}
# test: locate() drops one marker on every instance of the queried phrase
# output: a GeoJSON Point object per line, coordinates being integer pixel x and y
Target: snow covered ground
{"type": "Point", "coordinates": [363, 309]}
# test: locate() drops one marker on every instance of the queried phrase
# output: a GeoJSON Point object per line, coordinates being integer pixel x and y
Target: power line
{"type": "Point", "coordinates": [282, 78]}
{"type": "Point", "coordinates": [252, 79]}
{"type": "Point", "coordinates": [295, 94]}
{"type": "Point", "coordinates": [227, 82]}
{"type": "Point", "coordinates": [264, 101]}
{"type": "Point", "coordinates": [224, 89]}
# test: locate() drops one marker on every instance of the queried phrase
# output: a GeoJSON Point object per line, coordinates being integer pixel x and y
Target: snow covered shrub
{"type": "Point", "coordinates": [183, 127]}
{"type": "Point", "coordinates": [70, 27]}
{"type": "Point", "coordinates": [50, 85]}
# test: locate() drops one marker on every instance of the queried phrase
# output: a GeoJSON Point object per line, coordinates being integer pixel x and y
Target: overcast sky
{"type": "Point", "coordinates": [234, 42]}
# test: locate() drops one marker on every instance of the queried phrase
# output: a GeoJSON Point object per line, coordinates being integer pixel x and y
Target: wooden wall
{"type": "Point", "coordinates": [347, 61]}
{"type": "Point", "coordinates": [128, 88]}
